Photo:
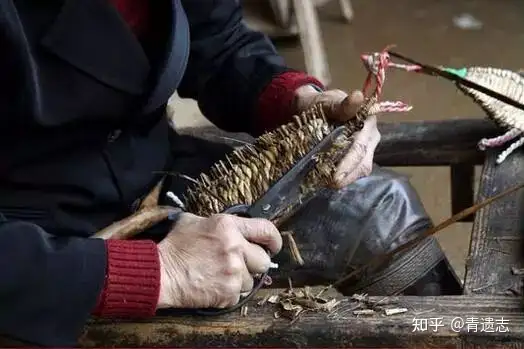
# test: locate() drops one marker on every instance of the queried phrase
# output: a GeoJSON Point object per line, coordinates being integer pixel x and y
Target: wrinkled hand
{"type": "Point", "coordinates": [209, 262]}
{"type": "Point", "coordinates": [338, 106]}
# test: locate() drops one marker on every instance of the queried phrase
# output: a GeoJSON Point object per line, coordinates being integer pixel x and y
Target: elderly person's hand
{"type": "Point", "coordinates": [209, 262]}
{"type": "Point", "coordinates": [358, 162]}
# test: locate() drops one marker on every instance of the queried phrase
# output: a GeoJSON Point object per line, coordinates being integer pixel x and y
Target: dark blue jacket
{"type": "Point", "coordinates": [83, 130]}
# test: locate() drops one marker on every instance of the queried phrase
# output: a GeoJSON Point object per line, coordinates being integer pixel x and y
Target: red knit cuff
{"type": "Point", "coordinates": [132, 280]}
{"type": "Point", "coordinates": [276, 104]}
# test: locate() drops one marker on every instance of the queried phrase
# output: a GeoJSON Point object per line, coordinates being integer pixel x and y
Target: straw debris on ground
{"type": "Point", "coordinates": [292, 302]}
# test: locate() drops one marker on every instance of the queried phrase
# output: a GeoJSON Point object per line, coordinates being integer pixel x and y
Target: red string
{"type": "Point", "coordinates": [377, 64]}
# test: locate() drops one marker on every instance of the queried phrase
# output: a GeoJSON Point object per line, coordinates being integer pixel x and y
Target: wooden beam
{"type": "Point", "coordinates": [433, 143]}
{"type": "Point", "coordinates": [498, 230]}
{"type": "Point", "coordinates": [338, 329]}
{"type": "Point", "coordinates": [417, 143]}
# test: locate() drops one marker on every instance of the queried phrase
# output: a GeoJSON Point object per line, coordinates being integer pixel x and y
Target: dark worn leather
{"type": "Point", "coordinates": [340, 230]}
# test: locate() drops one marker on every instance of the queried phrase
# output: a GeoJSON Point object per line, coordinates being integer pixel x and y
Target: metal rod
{"type": "Point", "coordinates": [455, 78]}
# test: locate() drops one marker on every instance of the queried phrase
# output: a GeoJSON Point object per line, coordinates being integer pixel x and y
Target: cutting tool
{"type": "Point", "coordinates": [285, 193]}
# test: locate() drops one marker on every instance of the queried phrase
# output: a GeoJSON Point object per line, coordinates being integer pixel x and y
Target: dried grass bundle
{"type": "Point", "coordinates": [504, 81]}
{"type": "Point", "coordinates": [507, 83]}
{"type": "Point", "coordinates": [252, 169]}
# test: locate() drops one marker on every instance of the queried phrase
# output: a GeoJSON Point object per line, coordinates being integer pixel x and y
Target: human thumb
{"type": "Point", "coordinates": [348, 108]}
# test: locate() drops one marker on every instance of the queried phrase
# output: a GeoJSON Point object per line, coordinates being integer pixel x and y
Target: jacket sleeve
{"type": "Point", "coordinates": [50, 285]}
{"type": "Point", "coordinates": [230, 66]}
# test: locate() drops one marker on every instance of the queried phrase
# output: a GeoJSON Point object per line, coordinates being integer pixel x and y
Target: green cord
{"type": "Point", "coordinates": [462, 72]}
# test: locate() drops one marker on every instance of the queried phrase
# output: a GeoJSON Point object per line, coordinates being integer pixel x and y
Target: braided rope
{"type": "Point", "coordinates": [500, 140]}
{"type": "Point", "coordinates": [377, 64]}
{"type": "Point", "coordinates": [391, 107]}
{"type": "Point", "coordinates": [502, 80]}
{"type": "Point", "coordinates": [406, 67]}
{"type": "Point", "coordinates": [510, 149]}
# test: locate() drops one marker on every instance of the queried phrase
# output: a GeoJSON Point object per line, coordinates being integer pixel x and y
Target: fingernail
{"type": "Point", "coordinates": [273, 265]}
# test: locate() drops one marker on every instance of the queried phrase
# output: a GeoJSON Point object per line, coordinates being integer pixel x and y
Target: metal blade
{"type": "Point", "coordinates": [287, 189]}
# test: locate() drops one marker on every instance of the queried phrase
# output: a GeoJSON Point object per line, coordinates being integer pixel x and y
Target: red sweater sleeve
{"type": "Point", "coordinates": [132, 280]}
{"type": "Point", "coordinates": [276, 104]}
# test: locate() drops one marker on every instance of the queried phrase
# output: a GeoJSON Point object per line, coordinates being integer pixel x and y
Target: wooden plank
{"type": "Point", "coordinates": [419, 143]}
{"type": "Point", "coordinates": [339, 329]}
{"type": "Point", "coordinates": [433, 143]}
{"type": "Point", "coordinates": [497, 230]}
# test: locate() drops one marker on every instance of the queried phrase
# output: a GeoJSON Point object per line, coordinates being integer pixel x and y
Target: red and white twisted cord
{"type": "Point", "coordinates": [377, 64]}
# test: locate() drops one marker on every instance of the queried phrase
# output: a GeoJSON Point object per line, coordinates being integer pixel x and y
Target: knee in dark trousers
{"type": "Point", "coordinates": [338, 231]}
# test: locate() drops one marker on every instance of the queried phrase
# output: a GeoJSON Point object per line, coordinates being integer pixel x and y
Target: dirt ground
{"type": "Point", "coordinates": [424, 30]}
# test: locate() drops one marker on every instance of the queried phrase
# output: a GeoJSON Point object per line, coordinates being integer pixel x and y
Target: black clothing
{"type": "Point", "coordinates": [84, 131]}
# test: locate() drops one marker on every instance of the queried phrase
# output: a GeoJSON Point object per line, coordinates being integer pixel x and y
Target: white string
{"type": "Point", "coordinates": [510, 150]}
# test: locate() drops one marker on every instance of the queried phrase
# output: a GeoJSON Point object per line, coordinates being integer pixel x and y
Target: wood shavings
{"type": "Point", "coordinates": [243, 310]}
{"type": "Point", "coordinates": [364, 306]}
{"type": "Point", "coordinates": [293, 302]}
{"type": "Point", "coordinates": [274, 299]}
{"type": "Point", "coordinates": [517, 271]}
{"type": "Point", "coordinates": [367, 312]}
{"type": "Point", "coordinates": [395, 311]}
{"type": "Point", "coordinates": [263, 300]}
{"type": "Point", "coordinates": [293, 248]}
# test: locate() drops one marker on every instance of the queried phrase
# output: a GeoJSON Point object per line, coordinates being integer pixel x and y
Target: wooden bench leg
{"type": "Point", "coordinates": [281, 10]}
{"type": "Point", "coordinates": [347, 10]}
{"type": "Point", "coordinates": [311, 40]}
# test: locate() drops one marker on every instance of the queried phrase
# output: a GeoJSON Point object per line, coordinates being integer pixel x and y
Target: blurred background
{"type": "Point", "coordinates": [456, 33]}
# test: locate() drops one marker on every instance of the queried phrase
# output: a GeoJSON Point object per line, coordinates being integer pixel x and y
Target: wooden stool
{"type": "Point", "coordinates": [488, 314]}
{"type": "Point", "coordinates": [299, 17]}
